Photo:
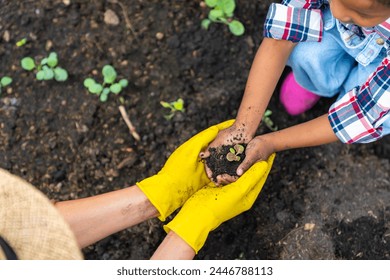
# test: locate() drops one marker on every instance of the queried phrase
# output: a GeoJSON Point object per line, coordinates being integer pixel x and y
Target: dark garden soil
{"type": "Point", "coordinates": [327, 202]}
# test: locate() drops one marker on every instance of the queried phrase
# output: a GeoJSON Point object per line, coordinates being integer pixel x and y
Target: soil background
{"type": "Point", "coordinates": [327, 202]}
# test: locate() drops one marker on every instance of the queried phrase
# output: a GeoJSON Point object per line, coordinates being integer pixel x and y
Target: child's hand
{"type": "Point", "coordinates": [258, 149]}
{"type": "Point", "coordinates": [229, 136]}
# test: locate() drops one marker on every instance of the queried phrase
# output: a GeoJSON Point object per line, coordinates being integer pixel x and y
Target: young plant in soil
{"type": "Point", "coordinates": [222, 11]}
{"type": "Point", "coordinates": [47, 69]}
{"type": "Point", "coordinates": [225, 159]}
{"type": "Point", "coordinates": [175, 106]}
{"type": "Point", "coordinates": [108, 86]}
{"type": "Point", "coordinates": [4, 81]}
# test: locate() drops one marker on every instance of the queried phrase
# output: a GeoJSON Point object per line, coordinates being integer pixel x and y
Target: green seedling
{"type": "Point", "coordinates": [234, 153]}
{"type": "Point", "coordinates": [175, 106]}
{"type": "Point", "coordinates": [5, 81]}
{"type": "Point", "coordinates": [47, 69]}
{"type": "Point", "coordinates": [108, 86]}
{"type": "Point", "coordinates": [222, 11]}
{"type": "Point", "coordinates": [268, 122]}
{"type": "Point", "coordinates": [21, 42]}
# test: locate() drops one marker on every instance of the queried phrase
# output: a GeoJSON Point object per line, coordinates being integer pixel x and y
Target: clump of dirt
{"type": "Point", "coordinates": [219, 164]}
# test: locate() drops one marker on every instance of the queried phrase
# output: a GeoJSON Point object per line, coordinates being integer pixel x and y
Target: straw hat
{"type": "Point", "coordinates": [31, 225]}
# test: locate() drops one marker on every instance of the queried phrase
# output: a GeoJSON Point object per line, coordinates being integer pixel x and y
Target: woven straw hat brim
{"type": "Point", "coordinates": [30, 223]}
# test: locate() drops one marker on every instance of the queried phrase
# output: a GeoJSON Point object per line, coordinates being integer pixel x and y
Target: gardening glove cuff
{"type": "Point", "coordinates": [193, 226]}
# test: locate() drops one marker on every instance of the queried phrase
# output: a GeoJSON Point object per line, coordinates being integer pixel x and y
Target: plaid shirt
{"type": "Point", "coordinates": [358, 116]}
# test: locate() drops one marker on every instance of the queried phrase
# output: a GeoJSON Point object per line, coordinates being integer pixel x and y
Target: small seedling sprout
{"type": "Point", "coordinates": [222, 11]}
{"type": "Point", "coordinates": [109, 85]}
{"type": "Point", "coordinates": [5, 81]}
{"type": "Point", "coordinates": [47, 69]}
{"type": "Point", "coordinates": [21, 42]}
{"type": "Point", "coordinates": [268, 122]}
{"type": "Point", "coordinates": [175, 106]}
{"type": "Point", "coordinates": [234, 153]}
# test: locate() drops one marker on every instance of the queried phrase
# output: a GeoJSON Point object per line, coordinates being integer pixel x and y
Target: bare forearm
{"type": "Point", "coordinates": [94, 218]}
{"type": "Point", "coordinates": [173, 247]}
{"type": "Point", "coordinates": [266, 70]}
{"type": "Point", "coordinates": [312, 133]}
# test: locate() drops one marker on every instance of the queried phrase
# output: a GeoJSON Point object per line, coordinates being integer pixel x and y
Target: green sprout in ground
{"type": "Point", "coordinates": [175, 106]}
{"type": "Point", "coordinates": [21, 42]}
{"type": "Point", "coordinates": [47, 69]}
{"type": "Point", "coordinates": [5, 81]}
{"type": "Point", "coordinates": [268, 122]}
{"type": "Point", "coordinates": [222, 11]}
{"type": "Point", "coordinates": [109, 84]}
{"type": "Point", "coordinates": [234, 153]}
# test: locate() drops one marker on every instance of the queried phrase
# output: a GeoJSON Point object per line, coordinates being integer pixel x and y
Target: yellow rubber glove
{"type": "Point", "coordinates": [211, 206]}
{"type": "Point", "coordinates": [182, 175]}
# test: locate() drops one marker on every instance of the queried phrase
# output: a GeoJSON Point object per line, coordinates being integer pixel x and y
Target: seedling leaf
{"type": "Point", "coordinates": [116, 88]}
{"type": "Point", "coordinates": [40, 75]}
{"type": "Point", "coordinates": [52, 60]}
{"type": "Point", "coordinates": [48, 73]}
{"type": "Point", "coordinates": [236, 27]}
{"type": "Point", "coordinates": [21, 42]}
{"type": "Point", "coordinates": [166, 104]}
{"type": "Point", "coordinates": [5, 81]}
{"type": "Point", "coordinates": [60, 74]}
{"type": "Point", "coordinates": [88, 82]}
{"type": "Point", "coordinates": [103, 97]}
{"type": "Point", "coordinates": [178, 105]}
{"type": "Point", "coordinates": [96, 88]}
{"type": "Point", "coordinates": [28, 63]}
{"type": "Point", "coordinates": [229, 6]}
{"type": "Point", "coordinates": [211, 3]}
{"type": "Point", "coordinates": [239, 149]}
{"type": "Point", "coordinates": [205, 23]}
{"type": "Point", "coordinates": [233, 151]}
{"type": "Point", "coordinates": [231, 157]}
{"type": "Point", "coordinates": [109, 74]}
{"type": "Point", "coordinates": [123, 83]}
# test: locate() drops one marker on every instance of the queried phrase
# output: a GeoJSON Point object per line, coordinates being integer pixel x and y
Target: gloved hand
{"type": "Point", "coordinates": [182, 175]}
{"type": "Point", "coordinates": [211, 206]}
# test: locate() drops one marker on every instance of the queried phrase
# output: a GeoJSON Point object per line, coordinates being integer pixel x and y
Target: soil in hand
{"type": "Point", "coordinates": [219, 164]}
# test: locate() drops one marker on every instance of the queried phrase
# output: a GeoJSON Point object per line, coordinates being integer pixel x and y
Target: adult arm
{"type": "Point", "coordinates": [97, 217]}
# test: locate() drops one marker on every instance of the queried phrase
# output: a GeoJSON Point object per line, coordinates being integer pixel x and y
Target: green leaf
{"type": "Point", "coordinates": [40, 75]}
{"type": "Point", "coordinates": [211, 3]}
{"type": "Point", "coordinates": [178, 105]}
{"type": "Point", "coordinates": [5, 81]}
{"type": "Point", "coordinates": [231, 157]}
{"type": "Point", "coordinates": [166, 104]}
{"type": "Point", "coordinates": [88, 82]}
{"type": "Point", "coordinates": [106, 91]}
{"type": "Point", "coordinates": [96, 88]}
{"type": "Point", "coordinates": [60, 74]}
{"type": "Point", "coordinates": [48, 73]}
{"type": "Point", "coordinates": [233, 151]}
{"type": "Point", "coordinates": [52, 60]}
{"type": "Point", "coordinates": [239, 149]}
{"type": "Point", "coordinates": [21, 42]}
{"type": "Point", "coordinates": [103, 97]}
{"type": "Point", "coordinates": [28, 63]}
{"type": "Point", "coordinates": [109, 74]}
{"type": "Point", "coordinates": [205, 23]}
{"type": "Point", "coordinates": [44, 61]}
{"type": "Point", "coordinates": [123, 83]}
{"type": "Point", "coordinates": [116, 88]}
{"type": "Point", "coordinates": [215, 15]}
{"type": "Point", "coordinates": [228, 7]}
{"type": "Point", "coordinates": [236, 27]}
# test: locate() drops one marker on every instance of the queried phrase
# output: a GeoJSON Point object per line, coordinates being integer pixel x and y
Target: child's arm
{"type": "Point", "coordinates": [265, 72]}
{"type": "Point", "coordinates": [312, 133]}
